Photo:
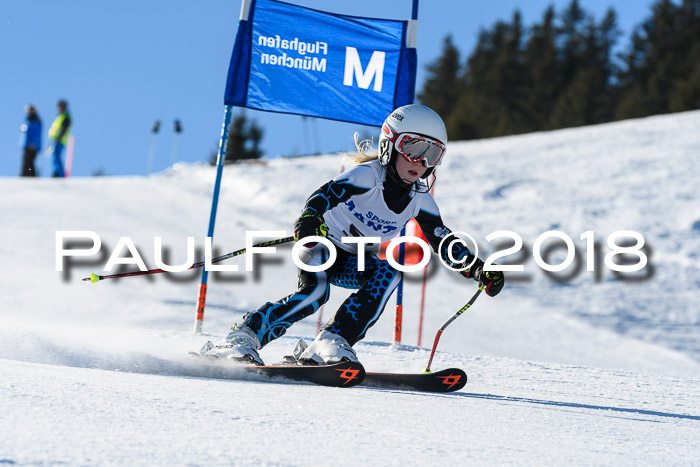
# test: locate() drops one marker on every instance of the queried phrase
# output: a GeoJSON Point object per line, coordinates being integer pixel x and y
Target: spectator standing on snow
{"type": "Point", "coordinates": [30, 141]}
{"type": "Point", "coordinates": [58, 133]}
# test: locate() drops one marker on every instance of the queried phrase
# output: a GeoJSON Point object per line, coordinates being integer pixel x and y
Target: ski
{"type": "Point", "coordinates": [342, 375]}
{"type": "Point", "coordinates": [449, 380]}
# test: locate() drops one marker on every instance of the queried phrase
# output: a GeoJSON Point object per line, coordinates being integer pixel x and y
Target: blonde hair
{"type": "Point", "coordinates": [365, 151]}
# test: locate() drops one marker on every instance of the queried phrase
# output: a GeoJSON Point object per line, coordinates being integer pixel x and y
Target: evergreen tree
{"type": "Point", "coordinates": [632, 101]}
{"type": "Point", "coordinates": [606, 36]}
{"type": "Point", "coordinates": [572, 37]}
{"type": "Point", "coordinates": [586, 95]}
{"type": "Point", "coordinates": [492, 98]}
{"type": "Point", "coordinates": [541, 67]}
{"type": "Point", "coordinates": [569, 84]}
{"type": "Point", "coordinates": [243, 141]}
{"type": "Point", "coordinates": [513, 86]}
{"type": "Point", "coordinates": [475, 112]}
{"type": "Point", "coordinates": [441, 88]}
{"type": "Point", "coordinates": [685, 94]}
{"type": "Point", "coordinates": [661, 73]}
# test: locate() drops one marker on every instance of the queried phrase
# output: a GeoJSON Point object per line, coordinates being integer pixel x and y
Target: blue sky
{"type": "Point", "coordinates": [123, 65]}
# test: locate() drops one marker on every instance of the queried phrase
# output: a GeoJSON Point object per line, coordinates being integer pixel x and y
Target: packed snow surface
{"type": "Point", "coordinates": [573, 367]}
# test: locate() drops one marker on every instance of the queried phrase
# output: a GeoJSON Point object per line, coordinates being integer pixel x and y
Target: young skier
{"type": "Point", "coordinates": [374, 199]}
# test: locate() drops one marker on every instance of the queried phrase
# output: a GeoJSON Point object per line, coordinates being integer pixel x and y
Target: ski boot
{"type": "Point", "coordinates": [241, 345]}
{"type": "Point", "coordinates": [326, 349]}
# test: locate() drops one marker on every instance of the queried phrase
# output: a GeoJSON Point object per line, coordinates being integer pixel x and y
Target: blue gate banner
{"type": "Point", "coordinates": [298, 60]}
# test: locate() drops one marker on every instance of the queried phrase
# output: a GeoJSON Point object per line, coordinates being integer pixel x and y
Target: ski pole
{"type": "Point", "coordinates": [448, 322]}
{"type": "Point", "coordinates": [95, 278]}
{"type": "Point", "coordinates": [152, 151]}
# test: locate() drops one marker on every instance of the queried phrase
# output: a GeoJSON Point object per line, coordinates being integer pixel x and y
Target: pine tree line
{"type": "Point", "coordinates": [563, 72]}
{"type": "Point", "coordinates": [243, 142]}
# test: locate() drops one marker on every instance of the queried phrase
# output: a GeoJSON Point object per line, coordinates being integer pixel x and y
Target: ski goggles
{"type": "Point", "coordinates": [419, 148]}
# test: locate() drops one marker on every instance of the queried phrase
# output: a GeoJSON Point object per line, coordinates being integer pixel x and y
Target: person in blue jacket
{"type": "Point", "coordinates": [30, 141]}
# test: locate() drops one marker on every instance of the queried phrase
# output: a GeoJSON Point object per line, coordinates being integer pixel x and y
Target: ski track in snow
{"type": "Point", "coordinates": [595, 370]}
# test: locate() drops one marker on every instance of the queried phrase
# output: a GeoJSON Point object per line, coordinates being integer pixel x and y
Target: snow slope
{"type": "Point", "coordinates": [592, 370]}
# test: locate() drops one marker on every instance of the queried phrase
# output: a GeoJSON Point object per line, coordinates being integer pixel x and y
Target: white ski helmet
{"type": "Point", "coordinates": [416, 132]}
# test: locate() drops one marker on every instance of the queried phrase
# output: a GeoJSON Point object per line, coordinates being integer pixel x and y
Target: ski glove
{"type": "Point", "coordinates": [307, 226]}
{"type": "Point", "coordinates": [492, 281]}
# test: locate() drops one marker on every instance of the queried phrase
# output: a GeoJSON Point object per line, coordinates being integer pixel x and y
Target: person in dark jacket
{"type": "Point", "coordinates": [373, 200]}
{"type": "Point", "coordinates": [58, 133]}
{"type": "Point", "coordinates": [30, 141]}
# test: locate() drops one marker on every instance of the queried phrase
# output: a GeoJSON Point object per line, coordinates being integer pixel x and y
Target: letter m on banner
{"type": "Point", "coordinates": [297, 60]}
{"type": "Point", "coordinates": [375, 69]}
